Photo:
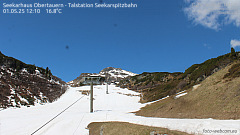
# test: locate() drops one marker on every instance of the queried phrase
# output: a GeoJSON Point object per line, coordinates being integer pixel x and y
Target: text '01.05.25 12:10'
{"type": "Point", "coordinates": [32, 11]}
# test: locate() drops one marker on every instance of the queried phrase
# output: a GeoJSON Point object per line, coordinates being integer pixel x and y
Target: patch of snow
{"type": "Point", "coordinates": [71, 82]}
{"type": "Point", "coordinates": [118, 73]}
{"type": "Point", "coordinates": [22, 99]}
{"type": "Point", "coordinates": [195, 87]}
{"type": "Point", "coordinates": [24, 70]}
{"type": "Point", "coordinates": [13, 102]}
{"type": "Point", "coordinates": [54, 81]}
{"type": "Point", "coordinates": [129, 73]}
{"type": "Point", "coordinates": [180, 95]}
{"type": "Point", "coordinates": [8, 71]}
{"type": "Point", "coordinates": [12, 90]}
{"type": "Point", "coordinates": [156, 100]}
{"type": "Point", "coordinates": [37, 72]}
{"type": "Point", "coordinates": [180, 92]}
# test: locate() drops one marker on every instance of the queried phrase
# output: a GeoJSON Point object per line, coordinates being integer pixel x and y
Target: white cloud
{"type": "Point", "coordinates": [213, 13]}
{"type": "Point", "coordinates": [234, 43]}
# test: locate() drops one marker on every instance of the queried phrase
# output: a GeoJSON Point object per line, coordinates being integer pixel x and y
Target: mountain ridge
{"type": "Point", "coordinates": [157, 85]}
{"type": "Point", "coordinates": [109, 74]}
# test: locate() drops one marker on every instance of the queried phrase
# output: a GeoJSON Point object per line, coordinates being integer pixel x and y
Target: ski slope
{"type": "Point", "coordinates": [115, 106]}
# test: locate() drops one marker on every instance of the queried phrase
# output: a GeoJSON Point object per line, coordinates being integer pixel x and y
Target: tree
{"type": "Point", "coordinates": [31, 69]}
{"type": "Point", "coordinates": [49, 74]}
{"type": "Point", "coordinates": [18, 66]}
{"type": "Point", "coordinates": [46, 71]}
{"type": "Point", "coordinates": [233, 53]}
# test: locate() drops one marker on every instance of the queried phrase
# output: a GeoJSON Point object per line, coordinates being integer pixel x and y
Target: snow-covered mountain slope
{"type": "Point", "coordinates": [116, 72]}
{"type": "Point", "coordinates": [109, 74]}
{"type": "Point", "coordinates": [23, 84]}
{"type": "Point", "coordinates": [114, 106]}
{"type": "Point", "coordinates": [21, 88]}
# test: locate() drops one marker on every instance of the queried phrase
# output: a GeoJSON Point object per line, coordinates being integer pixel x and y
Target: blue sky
{"type": "Point", "coordinates": [159, 35]}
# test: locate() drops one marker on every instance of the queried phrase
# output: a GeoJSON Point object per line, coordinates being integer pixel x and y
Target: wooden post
{"type": "Point", "coordinates": [91, 98]}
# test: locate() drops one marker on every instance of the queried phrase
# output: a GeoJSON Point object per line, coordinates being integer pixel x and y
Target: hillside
{"type": "Point", "coordinates": [154, 86]}
{"type": "Point", "coordinates": [218, 97]}
{"type": "Point", "coordinates": [24, 84]}
{"type": "Point", "coordinates": [109, 74]}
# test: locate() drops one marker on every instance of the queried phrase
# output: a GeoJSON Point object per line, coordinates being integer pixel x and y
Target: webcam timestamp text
{"type": "Point", "coordinates": [32, 11]}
